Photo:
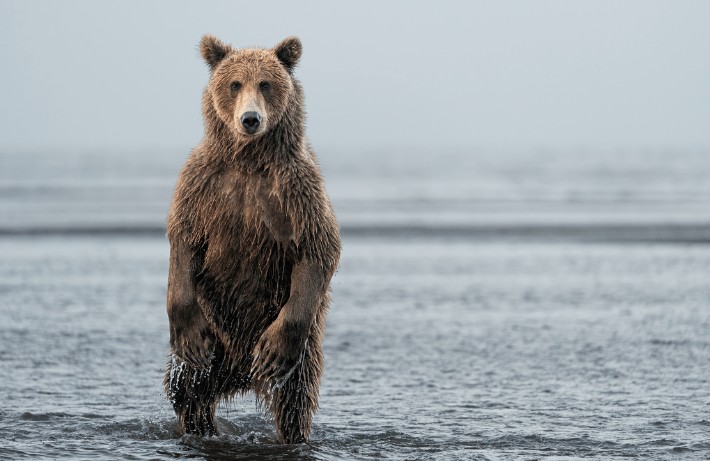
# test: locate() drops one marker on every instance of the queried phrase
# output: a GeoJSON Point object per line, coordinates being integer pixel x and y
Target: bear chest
{"type": "Point", "coordinates": [256, 204]}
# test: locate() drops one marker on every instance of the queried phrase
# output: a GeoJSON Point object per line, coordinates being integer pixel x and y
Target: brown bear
{"type": "Point", "coordinates": [253, 246]}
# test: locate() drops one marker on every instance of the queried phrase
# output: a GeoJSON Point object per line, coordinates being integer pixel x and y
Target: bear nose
{"type": "Point", "coordinates": [251, 121]}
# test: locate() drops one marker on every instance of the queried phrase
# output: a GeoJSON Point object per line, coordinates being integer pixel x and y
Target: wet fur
{"type": "Point", "coordinates": [253, 246]}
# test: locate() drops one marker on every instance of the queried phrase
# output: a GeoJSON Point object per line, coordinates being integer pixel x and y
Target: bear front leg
{"type": "Point", "coordinates": [281, 347]}
{"type": "Point", "coordinates": [193, 377]}
{"type": "Point", "coordinates": [191, 336]}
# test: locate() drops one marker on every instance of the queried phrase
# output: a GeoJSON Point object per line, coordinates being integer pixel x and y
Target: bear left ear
{"type": "Point", "coordinates": [289, 52]}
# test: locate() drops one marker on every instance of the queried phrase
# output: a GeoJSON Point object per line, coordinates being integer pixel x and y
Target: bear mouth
{"type": "Point", "coordinates": [247, 134]}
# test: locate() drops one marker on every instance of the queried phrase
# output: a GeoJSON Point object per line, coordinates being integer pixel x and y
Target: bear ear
{"type": "Point", "coordinates": [289, 52]}
{"type": "Point", "coordinates": [213, 50]}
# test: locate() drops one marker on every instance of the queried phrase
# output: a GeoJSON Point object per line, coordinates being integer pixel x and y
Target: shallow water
{"type": "Point", "coordinates": [434, 349]}
{"type": "Point", "coordinates": [536, 330]}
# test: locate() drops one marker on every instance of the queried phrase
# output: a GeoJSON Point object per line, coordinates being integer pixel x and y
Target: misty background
{"type": "Point", "coordinates": [604, 74]}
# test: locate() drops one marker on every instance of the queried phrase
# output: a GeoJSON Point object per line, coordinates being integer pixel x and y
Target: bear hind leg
{"type": "Point", "coordinates": [195, 418]}
{"type": "Point", "coordinates": [192, 393]}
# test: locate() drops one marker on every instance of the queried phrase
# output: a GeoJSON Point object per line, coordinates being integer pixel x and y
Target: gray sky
{"type": "Point", "coordinates": [127, 75]}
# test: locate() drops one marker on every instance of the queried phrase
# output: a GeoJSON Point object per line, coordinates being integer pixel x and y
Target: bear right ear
{"type": "Point", "coordinates": [213, 50]}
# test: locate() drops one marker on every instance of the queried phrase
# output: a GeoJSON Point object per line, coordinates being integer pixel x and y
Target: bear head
{"type": "Point", "coordinates": [250, 88]}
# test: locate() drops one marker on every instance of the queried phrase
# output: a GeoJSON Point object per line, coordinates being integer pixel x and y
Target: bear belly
{"type": "Point", "coordinates": [244, 282]}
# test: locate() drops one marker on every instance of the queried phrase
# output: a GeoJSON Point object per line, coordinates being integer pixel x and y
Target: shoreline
{"type": "Point", "coordinates": [659, 232]}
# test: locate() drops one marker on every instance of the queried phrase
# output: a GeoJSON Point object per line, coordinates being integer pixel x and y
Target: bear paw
{"type": "Point", "coordinates": [279, 352]}
{"type": "Point", "coordinates": [195, 350]}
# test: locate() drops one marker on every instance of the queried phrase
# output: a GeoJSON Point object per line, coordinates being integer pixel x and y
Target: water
{"type": "Point", "coordinates": [515, 306]}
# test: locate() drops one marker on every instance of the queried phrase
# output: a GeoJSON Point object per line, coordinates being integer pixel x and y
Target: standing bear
{"type": "Point", "coordinates": [253, 246]}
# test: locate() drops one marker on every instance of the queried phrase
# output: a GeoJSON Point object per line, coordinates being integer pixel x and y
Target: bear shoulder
{"type": "Point", "coordinates": [308, 207]}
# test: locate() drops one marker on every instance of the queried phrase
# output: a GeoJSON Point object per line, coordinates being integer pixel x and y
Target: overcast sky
{"type": "Point", "coordinates": [127, 75]}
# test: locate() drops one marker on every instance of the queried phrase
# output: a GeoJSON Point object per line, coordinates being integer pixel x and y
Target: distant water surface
{"type": "Point", "coordinates": [395, 189]}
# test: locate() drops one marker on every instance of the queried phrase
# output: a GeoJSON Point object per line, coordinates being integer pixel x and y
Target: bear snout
{"type": "Point", "coordinates": [251, 121]}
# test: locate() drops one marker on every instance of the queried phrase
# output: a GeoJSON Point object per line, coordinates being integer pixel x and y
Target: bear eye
{"type": "Point", "coordinates": [235, 86]}
{"type": "Point", "coordinates": [264, 86]}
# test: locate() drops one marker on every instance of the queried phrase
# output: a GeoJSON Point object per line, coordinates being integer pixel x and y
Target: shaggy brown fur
{"type": "Point", "coordinates": [253, 246]}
